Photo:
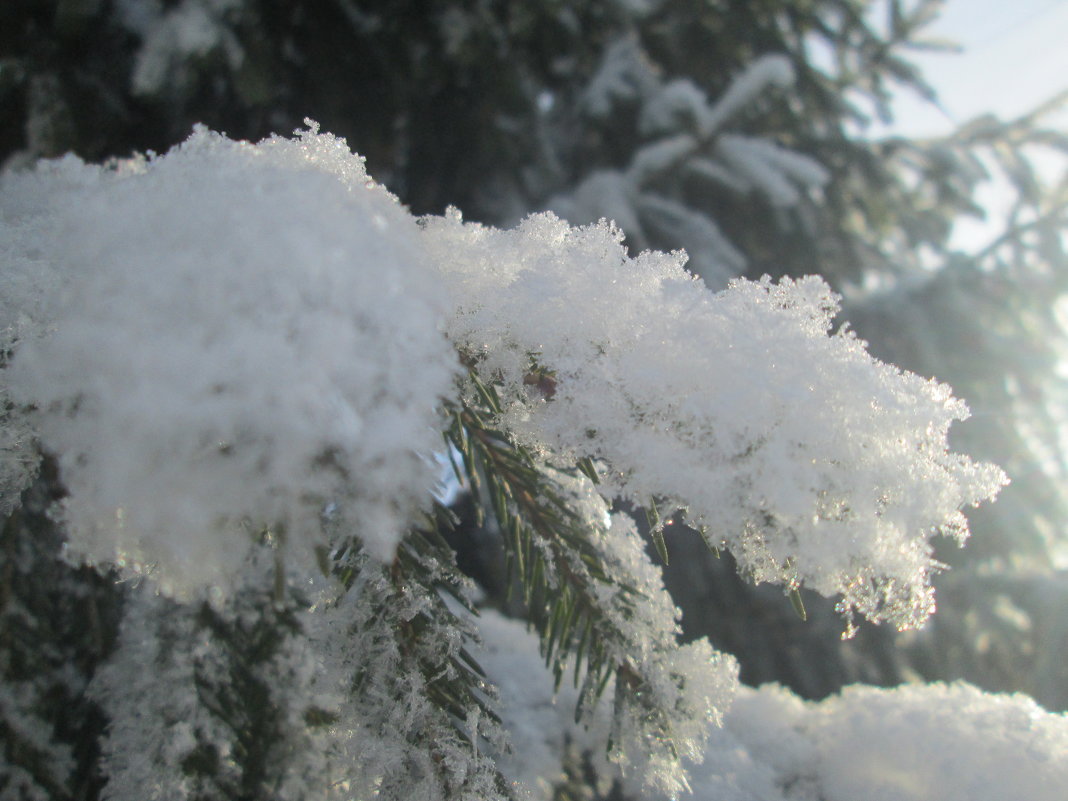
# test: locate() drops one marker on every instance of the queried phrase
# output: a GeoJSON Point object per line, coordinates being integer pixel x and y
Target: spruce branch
{"type": "Point", "coordinates": [582, 597]}
{"type": "Point", "coordinates": [543, 538]}
{"type": "Point", "coordinates": [410, 630]}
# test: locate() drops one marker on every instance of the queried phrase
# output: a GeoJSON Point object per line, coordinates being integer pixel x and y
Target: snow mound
{"type": "Point", "coordinates": [226, 341]}
{"type": "Point", "coordinates": [812, 462]}
{"type": "Point", "coordinates": [222, 342]}
{"type": "Point", "coordinates": [932, 742]}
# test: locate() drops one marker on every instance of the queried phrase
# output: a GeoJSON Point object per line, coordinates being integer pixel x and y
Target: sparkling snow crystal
{"type": "Point", "coordinates": [233, 343]}
{"type": "Point", "coordinates": [241, 335]}
{"type": "Point", "coordinates": [812, 462]}
{"type": "Point", "coordinates": [231, 337]}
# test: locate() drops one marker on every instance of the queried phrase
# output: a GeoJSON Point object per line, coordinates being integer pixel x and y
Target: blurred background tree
{"type": "Point", "coordinates": [736, 129]}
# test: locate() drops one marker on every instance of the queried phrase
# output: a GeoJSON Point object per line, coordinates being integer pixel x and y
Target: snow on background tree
{"type": "Point", "coordinates": [631, 105]}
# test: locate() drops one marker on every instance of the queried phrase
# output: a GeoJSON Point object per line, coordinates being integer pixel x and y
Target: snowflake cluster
{"type": "Point", "coordinates": [812, 462]}
{"type": "Point", "coordinates": [222, 343]}
{"type": "Point", "coordinates": [236, 342]}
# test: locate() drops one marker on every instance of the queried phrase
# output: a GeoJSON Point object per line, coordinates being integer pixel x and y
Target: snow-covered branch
{"type": "Point", "coordinates": [234, 345]}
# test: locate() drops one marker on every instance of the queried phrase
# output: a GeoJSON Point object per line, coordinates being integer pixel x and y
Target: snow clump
{"type": "Point", "coordinates": [937, 742]}
{"type": "Point", "coordinates": [220, 344]}
{"type": "Point", "coordinates": [812, 462]}
{"type": "Point", "coordinates": [916, 742]}
{"type": "Point", "coordinates": [235, 338]}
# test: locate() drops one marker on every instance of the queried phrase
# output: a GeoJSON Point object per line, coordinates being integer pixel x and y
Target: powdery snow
{"type": "Point", "coordinates": [237, 336]}
{"type": "Point", "coordinates": [809, 460]}
{"type": "Point", "coordinates": [234, 342]}
{"type": "Point", "coordinates": [242, 334]}
{"type": "Point", "coordinates": [911, 743]}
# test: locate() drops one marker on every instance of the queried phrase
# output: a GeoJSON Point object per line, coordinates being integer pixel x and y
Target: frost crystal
{"type": "Point", "coordinates": [189, 684]}
{"type": "Point", "coordinates": [692, 682]}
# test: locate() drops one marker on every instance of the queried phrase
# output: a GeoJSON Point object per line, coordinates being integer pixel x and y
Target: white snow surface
{"type": "Point", "coordinates": [915, 742]}
{"type": "Point", "coordinates": [170, 38]}
{"type": "Point", "coordinates": [809, 460]}
{"type": "Point", "coordinates": [233, 336]}
{"type": "Point", "coordinates": [222, 339]}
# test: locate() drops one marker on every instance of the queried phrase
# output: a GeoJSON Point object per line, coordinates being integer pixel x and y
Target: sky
{"type": "Point", "coordinates": [1015, 56]}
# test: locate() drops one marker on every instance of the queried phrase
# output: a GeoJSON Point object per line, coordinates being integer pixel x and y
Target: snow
{"type": "Point", "coordinates": [693, 681]}
{"type": "Point", "coordinates": [236, 342]}
{"type": "Point", "coordinates": [684, 133]}
{"type": "Point", "coordinates": [764, 72]}
{"type": "Point", "coordinates": [18, 457]}
{"type": "Point", "coordinates": [224, 351]}
{"type": "Point", "coordinates": [389, 734]}
{"type": "Point", "coordinates": [777, 173]}
{"type": "Point", "coordinates": [714, 258]}
{"type": "Point", "coordinates": [540, 722]}
{"type": "Point", "coordinates": [179, 690]}
{"type": "Point", "coordinates": [260, 371]}
{"type": "Point", "coordinates": [809, 460]}
{"type": "Point", "coordinates": [624, 73]}
{"type": "Point", "coordinates": [187, 32]}
{"type": "Point", "coordinates": [24, 725]}
{"type": "Point", "coordinates": [679, 100]}
{"type": "Point", "coordinates": [910, 743]}
{"type": "Point", "coordinates": [613, 192]}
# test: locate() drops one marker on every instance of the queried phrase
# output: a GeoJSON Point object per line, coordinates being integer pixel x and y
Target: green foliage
{"type": "Point", "coordinates": [600, 614]}
{"type": "Point", "coordinates": [400, 625]}
{"type": "Point", "coordinates": [545, 541]}
{"type": "Point", "coordinates": [481, 104]}
{"type": "Point", "coordinates": [57, 624]}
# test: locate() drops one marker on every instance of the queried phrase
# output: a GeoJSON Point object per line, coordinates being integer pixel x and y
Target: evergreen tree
{"type": "Point", "coordinates": [351, 665]}
{"type": "Point", "coordinates": [680, 121]}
